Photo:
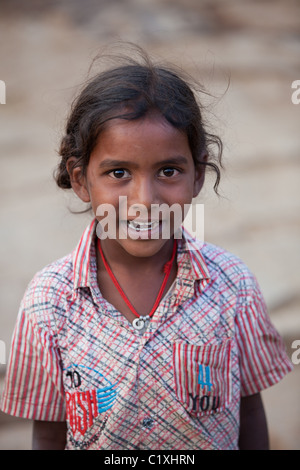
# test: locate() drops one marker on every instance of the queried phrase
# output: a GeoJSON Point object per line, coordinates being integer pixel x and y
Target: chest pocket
{"type": "Point", "coordinates": [202, 376]}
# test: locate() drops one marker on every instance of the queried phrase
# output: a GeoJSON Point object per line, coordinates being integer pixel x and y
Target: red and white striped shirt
{"type": "Point", "coordinates": [177, 386]}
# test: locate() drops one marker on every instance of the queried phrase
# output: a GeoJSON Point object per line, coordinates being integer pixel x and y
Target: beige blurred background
{"type": "Point", "coordinates": [46, 48]}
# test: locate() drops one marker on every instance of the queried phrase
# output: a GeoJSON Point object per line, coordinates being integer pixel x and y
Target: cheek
{"type": "Point", "coordinates": [198, 180]}
{"type": "Point", "coordinates": [109, 206]}
{"type": "Point", "coordinates": [182, 194]}
{"type": "Point", "coordinates": [99, 193]}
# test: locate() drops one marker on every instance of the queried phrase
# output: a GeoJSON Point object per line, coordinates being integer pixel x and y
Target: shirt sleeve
{"type": "Point", "coordinates": [263, 357]}
{"type": "Point", "coordinates": [33, 385]}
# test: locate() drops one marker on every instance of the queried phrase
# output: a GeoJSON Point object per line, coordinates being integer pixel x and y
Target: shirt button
{"type": "Point", "coordinates": [147, 423]}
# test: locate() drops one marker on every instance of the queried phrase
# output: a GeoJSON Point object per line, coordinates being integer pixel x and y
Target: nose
{"type": "Point", "coordinates": [142, 195]}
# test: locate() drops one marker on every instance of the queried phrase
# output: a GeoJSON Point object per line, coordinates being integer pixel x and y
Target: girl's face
{"type": "Point", "coordinates": [143, 164]}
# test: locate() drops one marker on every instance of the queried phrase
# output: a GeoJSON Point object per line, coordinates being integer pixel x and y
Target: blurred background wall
{"type": "Point", "coordinates": [46, 48]}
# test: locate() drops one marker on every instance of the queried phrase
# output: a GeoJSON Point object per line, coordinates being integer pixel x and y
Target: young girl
{"type": "Point", "coordinates": [137, 340]}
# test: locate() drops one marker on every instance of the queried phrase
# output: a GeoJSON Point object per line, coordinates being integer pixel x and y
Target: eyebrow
{"type": "Point", "coordinates": [112, 163]}
{"type": "Point", "coordinates": [177, 160]}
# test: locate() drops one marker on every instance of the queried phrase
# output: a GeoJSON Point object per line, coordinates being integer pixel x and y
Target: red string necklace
{"type": "Point", "coordinates": [139, 322]}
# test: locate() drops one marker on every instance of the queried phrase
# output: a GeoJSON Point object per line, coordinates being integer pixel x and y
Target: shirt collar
{"type": "Point", "coordinates": [189, 258]}
{"type": "Point", "coordinates": [81, 257]}
{"type": "Point", "coordinates": [191, 263]}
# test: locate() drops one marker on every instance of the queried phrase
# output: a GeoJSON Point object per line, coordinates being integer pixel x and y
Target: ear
{"type": "Point", "coordinates": [78, 180]}
{"type": "Point", "coordinates": [199, 176]}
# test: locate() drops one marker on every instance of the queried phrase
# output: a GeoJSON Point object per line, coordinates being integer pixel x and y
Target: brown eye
{"type": "Point", "coordinates": [169, 172]}
{"type": "Point", "coordinates": [119, 173]}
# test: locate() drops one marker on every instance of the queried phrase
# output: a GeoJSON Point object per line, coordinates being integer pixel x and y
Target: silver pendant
{"type": "Point", "coordinates": [140, 323]}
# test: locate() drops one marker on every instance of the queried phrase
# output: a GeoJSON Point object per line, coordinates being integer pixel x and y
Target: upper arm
{"type": "Point", "coordinates": [35, 355]}
{"type": "Point", "coordinates": [262, 353]}
{"type": "Point", "coordinates": [49, 435]}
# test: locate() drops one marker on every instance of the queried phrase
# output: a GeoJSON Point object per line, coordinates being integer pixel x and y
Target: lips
{"type": "Point", "coordinates": [142, 226]}
{"type": "Point", "coordinates": [140, 229]}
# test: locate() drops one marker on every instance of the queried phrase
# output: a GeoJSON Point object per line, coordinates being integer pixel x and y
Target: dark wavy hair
{"type": "Point", "coordinates": [130, 91]}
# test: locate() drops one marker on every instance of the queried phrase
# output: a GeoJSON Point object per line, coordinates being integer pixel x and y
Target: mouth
{"type": "Point", "coordinates": [142, 226]}
{"type": "Point", "coordinates": [140, 229]}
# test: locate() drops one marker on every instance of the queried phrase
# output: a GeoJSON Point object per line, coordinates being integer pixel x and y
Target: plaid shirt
{"type": "Point", "coordinates": [176, 386]}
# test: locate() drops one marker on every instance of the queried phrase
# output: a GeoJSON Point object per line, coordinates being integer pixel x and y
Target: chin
{"type": "Point", "coordinates": [141, 248]}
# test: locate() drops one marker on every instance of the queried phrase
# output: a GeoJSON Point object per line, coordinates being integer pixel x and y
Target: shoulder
{"type": "Point", "coordinates": [221, 259]}
{"type": "Point", "coordinates": [228, 267]}
{"type": "Point", "coordinates": [232, 279]}
{"type": "Point", "coordinates": [50, 283]}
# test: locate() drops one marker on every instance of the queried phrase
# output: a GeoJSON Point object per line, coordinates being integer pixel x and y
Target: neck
{"type": "Point", "coordinates": [138, 323]}
{"type": "Point", "coordinates": [118, 258]}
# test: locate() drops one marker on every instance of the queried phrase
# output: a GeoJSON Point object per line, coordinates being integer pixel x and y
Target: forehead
{"type": "Point", "coordinates": [150, 135]}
